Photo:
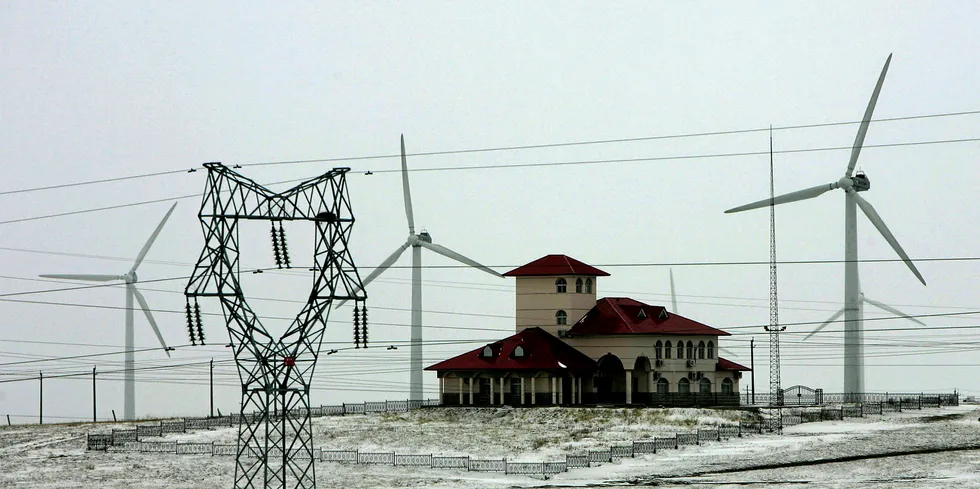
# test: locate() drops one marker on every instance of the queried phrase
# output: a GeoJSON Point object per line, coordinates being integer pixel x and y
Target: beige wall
{"type": "Point", "coordinates": [537, 302]}
{"type": "Point", "coordinates": [630, 347]}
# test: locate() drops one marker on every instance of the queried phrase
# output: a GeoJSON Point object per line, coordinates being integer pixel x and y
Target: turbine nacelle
{"type": "Point", "coordinates": [858, 183]}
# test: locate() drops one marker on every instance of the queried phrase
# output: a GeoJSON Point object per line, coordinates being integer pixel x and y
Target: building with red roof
{"type": "Point", "coordinates": [571, 348]}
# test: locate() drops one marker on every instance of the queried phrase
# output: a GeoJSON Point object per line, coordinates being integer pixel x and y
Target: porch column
{"type": "Point", "coordinates": [574, 380]}
{"type": "Point", "coordinates": [491, 392]}
{"type": "Point", "coordinates": [629, 387]}
{"type": "Point", "coordinates": [534, 397]}
{"type": "Point", "coordinates": [460, 391]}
{"type": "Point", "coordinates": [442, 389]}
{"type": "Point", "coordinates": [471, 391]}
{"type": "Point", "coordinates": [522, 391]}
{"type": "Point", "coordinates": [580, 390]}
{"type": "Point", "coordinates": [554, 392]}
{"type": "Point", "coordinates": [501, 391]}
{"type": "Point", "coordinates": [653, 384]}
{"type": "Point", "coordinates": [561, 398]}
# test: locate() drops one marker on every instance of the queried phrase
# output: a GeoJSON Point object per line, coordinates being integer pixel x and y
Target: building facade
{"type": "Point", "coordinates": [637, 353]}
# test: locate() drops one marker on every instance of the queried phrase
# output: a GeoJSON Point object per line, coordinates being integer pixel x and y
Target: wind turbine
{"type": "Point", "coordinates": [851, 184]}
{"type": "Point", "coordinates": [417, 242]}
{"type": "Point", "coordinates": [130, 278]}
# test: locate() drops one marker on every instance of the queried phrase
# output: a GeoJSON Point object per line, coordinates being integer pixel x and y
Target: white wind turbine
{"type": "Point", "coordinates": [130, 278]}
{"type": "Point", "coordinates": [417, 242]}
{"type": "Point", "coordinates": [851, 184]}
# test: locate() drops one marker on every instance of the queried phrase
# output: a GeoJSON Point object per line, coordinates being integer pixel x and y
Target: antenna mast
{"type": "Point", "coordinates": [775, 390]}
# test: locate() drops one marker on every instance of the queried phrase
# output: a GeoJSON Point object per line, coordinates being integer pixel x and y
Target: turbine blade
{"type": "Point", "coordinates": [673, 297]}
{"type": "Point", "coordinates": [866, 121]}
{"type": "Point", "coordinates": [886, 307]}
{"type": "Point", "coordinates": [407, 192]}
{"type": "Point", "coordinates": [380, 268]}
{"type": "Point", "coordinates": [153, 237]}
{"type": "Point", "coordinates": [442, 250]}
{"type": "Point", "coordinates": [81, 276]}
{"type": "Point", "coordinates": [883, 229]}
{"type": "Point", "coordinates": [807, 193]}
{"type": "Point", "coordinates": [149, 317]}
{"type": "Point", "coordinates": [825, 323]}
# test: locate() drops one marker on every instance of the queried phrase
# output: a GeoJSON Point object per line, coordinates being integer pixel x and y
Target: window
{"type": "Point", "coordinates": [641, 315]}
{"type": "Point", "coordinates": [660, 350]}
{"type": "Point", "coordinates": [519, 352]}
{"type": "Point", "coordinates": [684, 386]}
{"type": "Point", "coordinates": [690, 350]}
{"type": "Point", "coordinates": [487, 352]}
{"type": "Point", "coordinates": [727, 386]}
{"type": "Point", "coordinates": [561, 318]}
{"type": "Point", "coordinates": [588, 286]}
{"type": "Point", "coordinates": [711, 349]}
{"type": "Point", "coordinates": [578, 286]}
{"type": "Point", "coordinates": [663, 386]}
{"type": "Point", "coordinates": [663, 315]}
{"type": "Point", "coordinates": [680, 350]}
{"type": "Point", "coordinates": [705, 386]}
{"type": "Point", "coordinates": [561, 286]}
{"type": "Point", "coordinates": [667, 350]}
{"type": "Point", "coordinates": [701, 351]}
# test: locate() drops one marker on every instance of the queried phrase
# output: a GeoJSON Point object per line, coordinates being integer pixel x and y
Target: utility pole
{"type": "Point", "coordinates": [93, 396]}
{"type": "Point", "coordinates": [212, 387]}
{"type": "Point", "coordinates": [775, 390]}
{"type": "Point", "coordinates": [752, 365]}
{"type": "Point", "coordinates": [40, 396]}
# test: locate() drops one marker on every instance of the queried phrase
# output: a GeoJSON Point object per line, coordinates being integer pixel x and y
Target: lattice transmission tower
{"type": "Point", "coordinates": [775, 388]}
{"type": "Point", "coordinates": [275, 440]}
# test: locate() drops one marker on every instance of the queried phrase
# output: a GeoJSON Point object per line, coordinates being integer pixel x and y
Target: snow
{"type": "Point", "coordinates": [55, 455]}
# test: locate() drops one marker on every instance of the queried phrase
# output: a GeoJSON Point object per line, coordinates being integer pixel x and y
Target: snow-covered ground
{"type": "Point", "coordinates": [55, 456]}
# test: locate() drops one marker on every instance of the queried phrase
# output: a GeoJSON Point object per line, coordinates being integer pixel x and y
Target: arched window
{"type": "Point", "coordinates": [711, 349]}
{"type": "Point", "coordinates": [519, 351]}
{"type": "Point", "coordinates": [690, 349]}
{"type": "Point", "coordinates": [701, 351]}
{"type": "Point", "coordinates": [561, 317]}
{"type": "Point", "coordinates": [705, 386]}
{"type": "Point", "coordinates": [663, 386]}
{"type": "Point", "coordinates": [667, 348]}
{"type": "Point", "coordinates": [727, 386]}
{"type": "Point", "coordinates": [578, 286]}
{"type": "Point", "coordinates": [487, 352]}
{"type": "Point", "coordinates": [588, 286]}
{"type": "Point", "coordinates": [561, 286]}
{"type": "Point", "coordinates": [680, 350]}
{"type": "Point", "coordinates": [659, 349]}
{"type": "Point", "coordinates": [684, 386]}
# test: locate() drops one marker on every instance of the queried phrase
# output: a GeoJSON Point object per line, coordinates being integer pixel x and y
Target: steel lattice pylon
{"type": "Point", "coordinates": [275, 442]}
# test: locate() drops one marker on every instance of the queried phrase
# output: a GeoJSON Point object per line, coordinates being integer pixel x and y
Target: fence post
{"type": "Point", "coordinates": [40, 391]}
{"type": "Point", "coordinates": [677, 444]}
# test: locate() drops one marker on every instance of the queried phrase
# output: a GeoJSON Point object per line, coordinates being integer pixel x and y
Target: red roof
{"type": "Point", "coordinates": [542, 351]}
{"type": "Point", "coordinates": [730, 365]}
{"type": "Point", "coordinates": [555, 265]}
{"type": "Point", "coordinates": [621, 315]}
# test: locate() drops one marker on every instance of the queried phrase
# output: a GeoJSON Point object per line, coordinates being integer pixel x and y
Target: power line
{"type": "Point", "coordinates": [533, 165]}
{"type": "Point", "coordinates": [501, 148]}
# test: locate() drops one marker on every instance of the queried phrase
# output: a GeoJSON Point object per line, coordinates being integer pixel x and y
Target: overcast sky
{"type": "Point", "coordinates": [102, 90]}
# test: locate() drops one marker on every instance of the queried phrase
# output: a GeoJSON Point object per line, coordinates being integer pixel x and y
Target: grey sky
{"type": "Point", "coordinates": [109, 89]}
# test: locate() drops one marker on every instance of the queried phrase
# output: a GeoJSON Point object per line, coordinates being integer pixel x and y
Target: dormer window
{"type": "Point", "coordinates": [561, 286]}
{"type": "Point", "coordinates": [519, 352]}
{"type": "Point", "coordinates": [663, 315]}
{"type": "Point", "coordinates": [642, 314]}
{"type": "Point", "coordinates": [487, 352]}
{"type": "Point", "coordinates": [578, 286]}
{"type": "Point", "coordinates": [588, 286]}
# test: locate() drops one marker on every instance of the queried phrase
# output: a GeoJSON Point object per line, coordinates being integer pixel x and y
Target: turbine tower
{"type": "Point", "coordinates": [851, 184]}
{"type": "Point", "coordinates": [130, 278]}
{"type": "Point", "coordinates": [417, 242]}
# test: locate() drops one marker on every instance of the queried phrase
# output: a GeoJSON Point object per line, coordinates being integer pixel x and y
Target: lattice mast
{"type": "Point", "coordinates": [275, 440]}
{"type": "Point", "coordinates": [775, 389]}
